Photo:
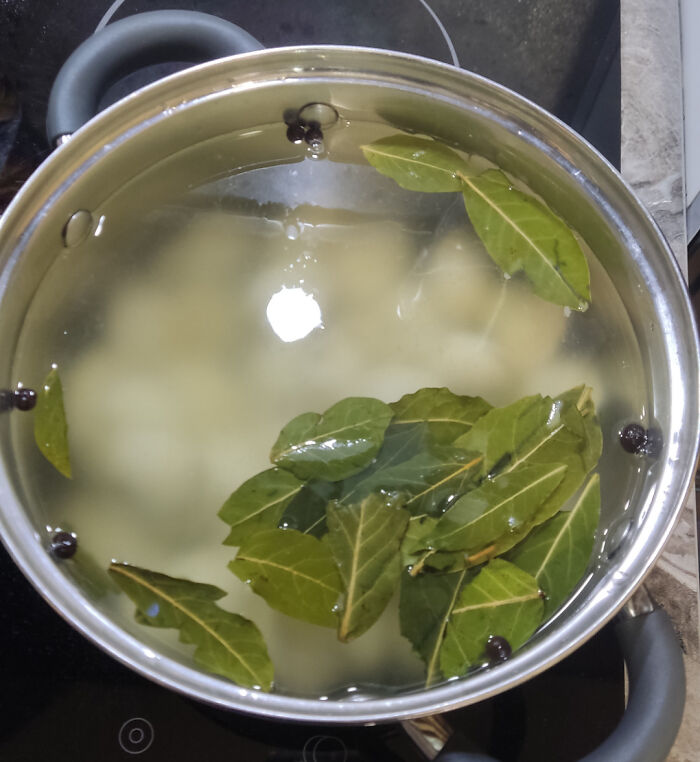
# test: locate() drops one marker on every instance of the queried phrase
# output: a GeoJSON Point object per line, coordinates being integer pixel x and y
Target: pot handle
{"type": "Point", "coordinates": [656, 699]}
{"type": "Point", "coordinates": [124, 46]}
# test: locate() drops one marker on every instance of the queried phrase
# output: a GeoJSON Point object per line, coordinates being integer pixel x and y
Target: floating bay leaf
{"type": "Point", "coordinates": [434, 476]}
{"type": "Point", "coordinates": [425, 607]}
{"type": "Point", "coordinates": [294, 572]}
{"type": "Point", "coordinates": [258, 503]}
{"type": "Point", "coordinates": [497, 507]}
{"type": "Point", "coordinates": [365, 539]}
{"type": "Point", "coordinates": [521, 233]}
{"type": "Point", "coordinates": [568, 438]}
{"type": "Point", "coordinates": [448, 415]}
{"type": "Point", "coordinates": [417, 164]}
{"type": "Point", "coordinates": [307, 511]}
{"type": "Point", "coordinates": [50, 425]}
{"type": "Point", "coordinates": [575, 441]}
{"type": "Point", "coordinates": [501, 600]}
{"type": "Point", "coordinates": [400, 443]}
{"type": "Point", "coordinates": [415, 541]}
{"type": "Point", "coordinates": [557, 552]}
{"type": "Point", "coordinates": [227, 644]}
{"type": "Point", "coordinates": [334, 445]}
{"type": "Point", "coordinates": [502, 433]}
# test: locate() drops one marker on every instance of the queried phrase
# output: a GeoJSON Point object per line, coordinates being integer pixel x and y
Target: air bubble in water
{"type": "Point", "coordinates": [292, 231]}
{"type": "Point", "coordinates": [317, 148]}
{"type": "Point", "coordinates": [77, 229]}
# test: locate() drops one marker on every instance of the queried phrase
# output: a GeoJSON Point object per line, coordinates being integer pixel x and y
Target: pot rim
{"type": "Point", "coordinates": [136, 112]}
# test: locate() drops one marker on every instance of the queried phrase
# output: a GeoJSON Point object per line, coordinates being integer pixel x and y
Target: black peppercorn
{"type": "Point", "coordinates": [633, 438]}
{"type": "Point", "coordinates": [63, 545]}
{"type": "Point", "coordinates": [498, 648]}
{"type": "Point", "coordinates": [295, 133]}
{"type": "Point", "coordinates": [313, 133]}
{"type": "Point", "coordinates": [25, 399]}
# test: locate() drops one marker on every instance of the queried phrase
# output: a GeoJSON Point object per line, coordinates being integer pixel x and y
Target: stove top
{"type": "Point", "coordinates": [64, 698]}
{"type": "Point", "coordinates": [61, 696]}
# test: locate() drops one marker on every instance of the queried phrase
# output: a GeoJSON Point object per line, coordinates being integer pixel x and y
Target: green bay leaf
{"type": "Point", "coordinates": [226, 644]}
{"type": "Point", "coordinates": [334, 445]}
{"type": "Point", "coordinates": [294, 572]}
{"type": "Point", "coordinates": [497, 507]}
{"type": "Point", "coordinates": [521, 233]}
{"type": "Point", "coordinates": [501, 600]}
{"type": "Point", "coordinates": [50, 425]}
{"type": "Point", "coordinates": [503, 432]}
{"type": "Point", "coordinates": [364, 539]}
{"type": "Point", "coordinates": [259, 503]}
{"type": "Point", "coordinates": [432, 477]}
{"type": "Point", "coordinates": [417, 164]}
{"type": "Point", "coordinates": [425, 606]}
{"type": "Point", "coordinates": [401, 442]}
{"type": "Point", "coordinates": [574, 440]}
{"type": "Point", "coordinates": [307, 511]}
{"type": "Point", "coordinates": [447, 415]}
{"type": "Point", "coordinates": [557, 553]}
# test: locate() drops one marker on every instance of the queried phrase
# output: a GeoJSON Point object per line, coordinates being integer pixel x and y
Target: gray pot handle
{"type": "Point", "coordinates": [127, 45]}
{"type": "Point", "coordinates": [656, 699]}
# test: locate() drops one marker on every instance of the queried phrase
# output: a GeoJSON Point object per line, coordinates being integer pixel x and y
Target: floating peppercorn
{"type": "Point", "coordinates": [498, 648]}
{"type": "Point", "coordinates": [22, 399]}
{"type": "Point", "coordinates": [296, 133]}
{"type": "Point", "coordinates": [25, 399]}
{"type": "Point", "coordinates": [314, 134]}
{"type": "Point", "coordinates": [64, 545]}
{"type": "Point", "coordinates": [633, 438]}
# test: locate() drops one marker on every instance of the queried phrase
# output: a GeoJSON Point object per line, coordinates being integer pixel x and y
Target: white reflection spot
{"type": "Point", "coordinates": [293, 314]}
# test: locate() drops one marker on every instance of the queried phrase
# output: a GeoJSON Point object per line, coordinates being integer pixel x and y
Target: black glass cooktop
{"type": "Point", "coordinates": [62, 698]}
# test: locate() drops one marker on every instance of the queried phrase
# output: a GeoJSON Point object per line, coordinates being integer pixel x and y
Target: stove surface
{"type": "Point", "coordinates": [62, 696]}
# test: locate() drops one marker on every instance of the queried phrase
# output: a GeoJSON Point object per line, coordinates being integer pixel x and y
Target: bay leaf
{"type": "Point", "coordinates": [541, 430]}
{"type": "Point", "coordinates": [226, 644]}
{"type": "Point", "coordinates": [307, 511]}
{"type": "Point", "coordinates": [294, 572]}
{"type": "Point", "coordinates": [364, 539]}
{"type": "Point", "coordinates": [259, 503]}
{"type": "Point", "coordinates": [425, 606]}
{"type": "Point", "coordinates": [575, 441]}
{"type": "Point", "coordinates": [415, 541]}
{"type": "Point", "coordinates": [418, 556]}
{"type": "Point", "coordinates": [417, 164]}
{"type": "Point", "coordinates": [335, 445]}
{"type": "Point", "coordinates": [521, 233]}
{"type": "Point", "coordinates": [501, 600]}
{"type": "Point", "coordinates": [497, 507]}
{"type": "Point", "coordinates": [448, 415]}
{"type": "Point", "coordinates": [432, 477]}
{"type": "Point", "coordinates": [401, 442]}
{"type": "Point", "coordinates": [557, 553]}
{"type": "Point", "coordinates": [50, 425]}
{"type": "Point", "coordinates": [503, 432]}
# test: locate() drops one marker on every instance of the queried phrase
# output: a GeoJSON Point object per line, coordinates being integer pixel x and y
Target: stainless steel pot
{"type": "Point", "coordinates": [410, 94]}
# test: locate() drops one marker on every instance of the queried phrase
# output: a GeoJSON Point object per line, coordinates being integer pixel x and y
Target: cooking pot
{"type": "Point", "coordinates": [99, 154]}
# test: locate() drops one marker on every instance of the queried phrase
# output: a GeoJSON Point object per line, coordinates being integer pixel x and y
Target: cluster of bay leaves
{"type": "Point", "coordinates": [520, 232]}
{"type": "Point", "coordinates": [452, 503]}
